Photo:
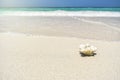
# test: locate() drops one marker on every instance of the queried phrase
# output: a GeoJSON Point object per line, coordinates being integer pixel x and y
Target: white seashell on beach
{"type": "Point", "coordinates": [87, 49]}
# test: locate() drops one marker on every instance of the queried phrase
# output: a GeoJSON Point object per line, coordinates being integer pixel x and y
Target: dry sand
{"type": "Point", "coordinates": [56, 58]}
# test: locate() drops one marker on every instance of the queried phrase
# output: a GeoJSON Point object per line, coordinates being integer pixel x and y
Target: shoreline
{"type": "Point", "coordinates": [80, 27]}
{"type": "Point", "coordinates": [46, 47]}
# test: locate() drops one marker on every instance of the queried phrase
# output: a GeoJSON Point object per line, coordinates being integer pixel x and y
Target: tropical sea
{"type": "Point", "coordinates": [86, 12]}
{"type": "Point", "coordinates": [93, 23]}
{"type": "Point", "coordinates": [64, 9]}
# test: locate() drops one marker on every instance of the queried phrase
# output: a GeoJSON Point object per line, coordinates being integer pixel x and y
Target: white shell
{"type": "Point", "coordinates": [87, 47]}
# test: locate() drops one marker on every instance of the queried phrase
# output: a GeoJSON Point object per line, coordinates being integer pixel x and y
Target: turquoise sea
{"type": "Point", "coordinates": [64, 9]}
{"type": "Point", "coordinates": [86, 12]}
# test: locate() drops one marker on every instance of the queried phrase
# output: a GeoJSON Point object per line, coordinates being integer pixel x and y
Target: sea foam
{"type": "Point", "coordinates": [62, 13]}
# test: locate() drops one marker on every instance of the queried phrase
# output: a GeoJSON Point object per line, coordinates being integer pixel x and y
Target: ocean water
{"type": "Point", "coordinates": [64, 9]}
{"type": "Point", "coordinates": [93, 23]}
{"type": "Point", "coordinates": [86, 12]}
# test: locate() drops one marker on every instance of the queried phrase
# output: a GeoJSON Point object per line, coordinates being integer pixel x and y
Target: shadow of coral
{"type": "Point", "coordinates": [83, 55]}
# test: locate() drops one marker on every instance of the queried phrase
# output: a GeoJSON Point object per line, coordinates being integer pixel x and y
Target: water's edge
{"type": "Point", "coordinates": [99, 28]}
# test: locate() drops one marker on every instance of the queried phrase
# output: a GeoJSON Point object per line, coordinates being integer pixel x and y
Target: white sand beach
{"type": "Point", "coordinates": [25, 57]}
{"type": "Point", "coordinates": [47, 48]}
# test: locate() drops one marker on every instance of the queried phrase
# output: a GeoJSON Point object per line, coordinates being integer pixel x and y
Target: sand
{"type": "Point", "coordinates": [27, 57]}
{"type": "Point", "coordinates": [101, 28]}
{"type": "Point", "coordinates": [47, 48]}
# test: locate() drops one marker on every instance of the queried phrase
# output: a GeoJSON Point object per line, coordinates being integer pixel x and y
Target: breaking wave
{"type": "Point", "coordinates": [62, 13]}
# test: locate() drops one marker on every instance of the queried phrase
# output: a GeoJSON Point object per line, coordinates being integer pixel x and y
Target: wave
{"type": "Point", "coordinates": [97, 22]}
{"type": "Point", "coordinates": [62, 13]}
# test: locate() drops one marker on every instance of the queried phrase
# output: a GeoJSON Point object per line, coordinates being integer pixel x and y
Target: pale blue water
{"type": "Point", "coordinates": [86, 12]}
{"type": "Point", "coordinates": [64, 9]}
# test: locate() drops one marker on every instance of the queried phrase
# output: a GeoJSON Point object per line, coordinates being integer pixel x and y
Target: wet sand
{"type": "Point", "coordinates": [100, 28]}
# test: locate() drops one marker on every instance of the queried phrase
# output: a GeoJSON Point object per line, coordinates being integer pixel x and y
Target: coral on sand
{"type": "Point", "coordinates": [87, 50]}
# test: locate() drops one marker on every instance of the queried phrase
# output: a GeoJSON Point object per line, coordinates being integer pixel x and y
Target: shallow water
{"type": "Point", "coordinates": [102, 28]}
